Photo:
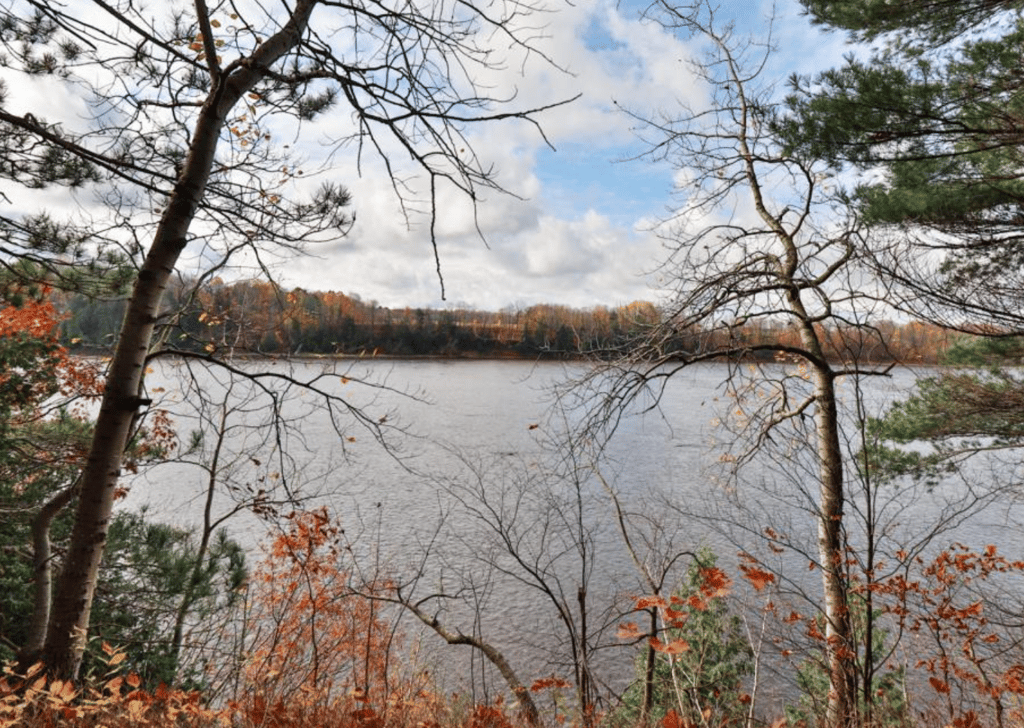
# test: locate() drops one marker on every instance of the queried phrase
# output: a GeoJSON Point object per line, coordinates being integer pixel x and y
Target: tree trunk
{"type": "Point", "coordinates": [839, 647]}
{"type": "Point", "coordinates": [522, 693]}
{"type": "Point", "coordinates": [647, 705]}
{"type": "Point", "coordinates": [839, 651]}
{"type": "Point", "coordinates": [69, 618]}
{"type": "Point", "coordinates": [840, 654]}
{"type": "Point", "coordinates": [42, 576]}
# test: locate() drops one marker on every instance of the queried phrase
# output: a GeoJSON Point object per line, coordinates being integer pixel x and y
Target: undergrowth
{"type": "Point", "coordinates": [315, 650]}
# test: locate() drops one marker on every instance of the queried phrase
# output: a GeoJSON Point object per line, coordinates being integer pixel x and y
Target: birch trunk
{"type": "Point", "coordinates": [832, 555]}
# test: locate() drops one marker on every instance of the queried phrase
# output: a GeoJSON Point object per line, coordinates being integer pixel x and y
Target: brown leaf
{"type": "Point", "coordinates": [629, 631]}
{"type": "Point", "coordinates": [648, 602]}
{"type": "Point", "coordinates": [941, 686]}
{"type": "Point", "coordinates": [675, 647]}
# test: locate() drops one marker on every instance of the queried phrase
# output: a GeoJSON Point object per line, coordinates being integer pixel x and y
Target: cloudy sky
{"type": "Point", "coordinates": [580, 234]}
{"type": "Point", "coordinates": [577, 230]}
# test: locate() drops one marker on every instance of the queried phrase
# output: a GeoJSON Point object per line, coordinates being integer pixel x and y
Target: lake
{"type": "Point", "coordinates": [470, 449]}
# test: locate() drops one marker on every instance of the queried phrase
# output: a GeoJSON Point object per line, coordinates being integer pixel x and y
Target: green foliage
{"type": "Point", "coordinates": [985, 352]}
{"type": "Point", "coordinates": [142, 585]}
{"type": "Point", "coordinates": [708, 675]}
{"type": "Point", "coordinates": [150, 574]}
{"type": "Point", "coordinates": [959, 404]}
{"type": "Point", "coordinates": [957, 413]}
{"type": "Point", "coordinates": [31, 467]}
{"type": "Point", "coordinates": [886, 702]}
{"type": "Point", "coordinates": [939, 110]}
{"type": "Point", "coordinates": [944, 128]}
{"type": "Point", "coordinates": [28, 375]}
{"type": "Point", "coordinates": [58, 254]}
{"type": "Point", "coordinates": [925, 21]}
{"type": "Point", "coordinates": [90, 322]}
{"type": "Point", "coordinates": [888, 463]}
{"type": "Point", "coordinates": [146, 577]}
{"type": "Point", "coordinates": [937, 413]}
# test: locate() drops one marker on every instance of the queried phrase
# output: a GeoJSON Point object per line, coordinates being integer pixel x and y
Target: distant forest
{"type": "Point", "coordinates": [255, 317]}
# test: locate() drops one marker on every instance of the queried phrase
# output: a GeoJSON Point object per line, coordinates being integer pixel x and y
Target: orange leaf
{"type": "Point", "coordinates": [629, 631]}
{"type": "Point", "coordinates": [63, 690]}
{"type": "Point", "coordinates": [939, 685]}
{"type": "Point", "coordinates": [675, 647]}
{"type": "Point", "coordinates": [648, 602]}
{"type": "Point", "coordinates": [544, 683]}
{"type": "Point", "coordinates": [716, 582]}
{"type": "Point", "coordinates": [972, 610]}
{"type": "Point", "coordinates": [758, 578]}
{"type": "Point", "coordinates": [672, 720]}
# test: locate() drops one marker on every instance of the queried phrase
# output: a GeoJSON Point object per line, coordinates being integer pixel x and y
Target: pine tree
{"type": "Point", "coordinates": [703, 684]}
{"type": "Point", "coordinates": [939, 110]}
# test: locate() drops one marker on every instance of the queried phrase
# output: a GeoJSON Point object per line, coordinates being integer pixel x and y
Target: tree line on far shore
{"type": "Point", "coordinates": [257, 317]}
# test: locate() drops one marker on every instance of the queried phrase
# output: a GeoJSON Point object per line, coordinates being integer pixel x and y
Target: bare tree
{"type": "Point", "coordinates": [247, 461]}
{"type": "Point", "coordinates": [890, 524]}
{"type": "Point", "coordinates": [182, 110]}
{"type": "Point", "coordinates": [428, 608]}
{"type": "Point", "coordinates": [509, 569]}
{"type": "Point", "coordinates": [536, 530]}
{"type": "Point", "coordinates": [757, 237]}
{"type": "Point", "coordinates": [655, 562]}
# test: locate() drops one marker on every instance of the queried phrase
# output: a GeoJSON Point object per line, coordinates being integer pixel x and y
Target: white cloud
{"type": "Point", "coordinates": [573, 237]}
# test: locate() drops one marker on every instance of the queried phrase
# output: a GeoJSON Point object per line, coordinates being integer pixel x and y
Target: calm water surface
{"type": "Point", "coordinates": [460, 424]}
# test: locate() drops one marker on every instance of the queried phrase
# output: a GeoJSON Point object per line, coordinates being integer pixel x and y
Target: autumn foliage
{"type": "Point", "coordinates": [316, 648]}
{"type": "Point", "coordinates": [314, 653]}
{"type": "Point", "coordinates": [42, 383]}
{"type": "Point", "coordinates": [965, 644]}
{"type": "Point", "coordinates": [34, 365]}
{"type": "Point", "coordinates": [316, 644]}
{"type": "Point", "coordinates": [115, 701]}
{"type": "Point", "coordinates": [256, 316]}
{"type": "Point", "coordinates": [318, 651]}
